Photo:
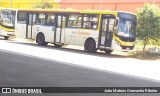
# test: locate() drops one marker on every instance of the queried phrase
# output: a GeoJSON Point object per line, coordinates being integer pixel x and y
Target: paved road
{"type": "Point", "coordinates": [19, 70]}
{"type": "Point", "coordinates": [100, 61]}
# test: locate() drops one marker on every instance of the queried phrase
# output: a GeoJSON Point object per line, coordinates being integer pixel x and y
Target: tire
{"type": "Point", "coordinates": [108, 51]}
{"type": "Point", "coordinates": [6, 37]}
{"type": "Point", "coordinates": [91, 46]}
{"type": "Point", "coordinates": [41, 40]}
{"type": "Point", "coordinates": [57, 45]}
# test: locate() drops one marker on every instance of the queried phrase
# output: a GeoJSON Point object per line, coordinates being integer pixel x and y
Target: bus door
{"type": "Point", "coordinates": [30, 25]}
{"type": "Point", "coordinates": [106, 31]}
{"type": "Point", "coordinates": [60, 29]}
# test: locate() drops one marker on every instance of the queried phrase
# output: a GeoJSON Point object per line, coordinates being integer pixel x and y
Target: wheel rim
{"type": "Point", "coordinates": [90, 46]}
{"type": "Point", "coordinates": [40, 39]}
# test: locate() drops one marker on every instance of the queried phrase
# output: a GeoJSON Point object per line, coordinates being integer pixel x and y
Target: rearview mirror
{"type": "Point", "coordinates": [0, 21]}
{"type": "Point", "coordinates": [116, 23]}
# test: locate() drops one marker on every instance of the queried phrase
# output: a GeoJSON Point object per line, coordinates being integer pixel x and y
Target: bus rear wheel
{"type": "Point", "coordinates": [91, 46]}
{"type": "Point", "coordinates": [41, 39]}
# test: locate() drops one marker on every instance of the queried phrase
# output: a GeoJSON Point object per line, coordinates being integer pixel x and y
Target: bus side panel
{"type": "Point", "coordinates": [20, 30]}
{"type": "Point", "coordinates": [88, 33]}
{"type": "Point", "coordinates": [33, 32]}
{"type": "Point", "coordinates": [78, 37]}
{"type": "Point", "coordinates": [60, 38]}
{"type": "Point", "coordinates": [115, 45]}
{"type": "Point", "coordinates": [48, 32]}
{"type": "Point", "coordinates": [68, 36]}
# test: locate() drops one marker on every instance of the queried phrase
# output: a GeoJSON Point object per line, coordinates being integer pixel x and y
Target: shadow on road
{"type": "Point", "coordinates": [73, 50]}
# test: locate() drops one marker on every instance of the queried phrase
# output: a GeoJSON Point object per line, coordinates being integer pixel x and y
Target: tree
{"type": "Point", "coordinates": [43, 4]}
{"type": "Point", "coordinates": [148, 26]}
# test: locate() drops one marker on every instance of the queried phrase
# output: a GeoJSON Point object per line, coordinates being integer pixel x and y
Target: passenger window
{"type": "Point", "coordinates": [75, 21]}
{"type": "Point", "coordinates": [90, 21]}
{"type": "Point", "coordinates": [41, 19]}
{"type": "Point", "coordinates": [50, 19]}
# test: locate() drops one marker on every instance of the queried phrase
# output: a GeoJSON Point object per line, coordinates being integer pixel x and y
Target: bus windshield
{"type": "Point", "coordinates": [8, 19]}
{"type": "Point", "coordinates": [127, 25]}
{"type": "Point", "coordinates": [126, 28]}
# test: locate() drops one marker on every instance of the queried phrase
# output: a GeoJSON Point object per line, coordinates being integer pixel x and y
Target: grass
{"type": "Point", "coordinates": [139, 54]}
{"type": "Point", "coordinates": [144, 55]}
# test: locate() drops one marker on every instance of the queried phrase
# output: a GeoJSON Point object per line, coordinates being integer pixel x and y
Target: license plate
{"type": "Point", "coordinates": [127, 48]}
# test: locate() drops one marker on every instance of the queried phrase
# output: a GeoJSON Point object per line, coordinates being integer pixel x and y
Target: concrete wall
{"type": "Point", "coordinates": [131, 7]}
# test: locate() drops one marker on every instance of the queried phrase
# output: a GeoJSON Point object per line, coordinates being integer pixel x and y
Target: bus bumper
{"type": "Point", "coordinates": [119, 47]}
{"type": "Point", "coordinates": [6, 33]}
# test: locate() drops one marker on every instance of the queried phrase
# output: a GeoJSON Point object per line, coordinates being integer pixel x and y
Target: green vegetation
{"type": "Point", "coordinates": [148, 29]}
{"type": "Point", "coordinates": [144, 55]}
{"type": "Point", "coordinates": [148, 26]}
{"type": "Point", "coordinates": [42, 4]}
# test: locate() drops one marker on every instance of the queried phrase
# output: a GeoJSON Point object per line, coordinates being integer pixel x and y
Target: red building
{"type": "Point", "coordinates": [118, 5]}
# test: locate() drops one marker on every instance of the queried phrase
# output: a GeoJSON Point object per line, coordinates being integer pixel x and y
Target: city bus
{"type": "Point", "coordinates": [7, 22]}
{"type": "Point", "coordinates": [92, 29]}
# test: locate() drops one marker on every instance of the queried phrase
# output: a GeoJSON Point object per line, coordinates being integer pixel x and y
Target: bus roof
{"type": "Point", "coordinates": [75, 11]}
{"type": "Point", "coordinates": [67, 10]}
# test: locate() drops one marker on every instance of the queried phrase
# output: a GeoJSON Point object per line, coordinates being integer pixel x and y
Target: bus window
{"type": "Point", "coordinates": [111, 24]}
{"type": "Point", "coordinates": [90, 21]}
{"type": "Point", "coordinates": [61, 21]}
{"type": "Point", "coordinates": [64, 22]}
{"type": "Point", "coordinates": [75, 21]}
{"type": "Point", "coordinates": [50, 19]}
{"type": "Point", "coordinates": [41, 19]}
{"type": "Point", "coordinates": [21, 17]}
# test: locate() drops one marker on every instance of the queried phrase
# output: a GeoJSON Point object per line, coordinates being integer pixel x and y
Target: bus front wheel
{"type": "Point", "coordinates": [41, 39]}
{"type": "Point", "coordinates": [91, 46]}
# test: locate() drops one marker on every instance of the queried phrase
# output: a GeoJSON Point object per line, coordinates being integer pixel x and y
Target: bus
{"type": "Point", "coordinates": [7, 22]}
{"type": "Point", "coordinates": [92, 29]}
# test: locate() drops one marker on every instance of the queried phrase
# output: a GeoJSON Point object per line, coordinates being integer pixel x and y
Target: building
{"type": "Point", "coordinates": [118, 5]}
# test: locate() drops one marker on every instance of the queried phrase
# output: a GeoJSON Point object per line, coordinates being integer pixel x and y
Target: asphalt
{"type": "Point", "coordinates": [26, 71]}
{"type": "Point", "coordinates": [121, 64]}
{"type": "Point", "coordinates": [29, 65]}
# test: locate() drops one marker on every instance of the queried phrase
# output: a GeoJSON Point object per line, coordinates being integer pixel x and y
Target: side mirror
{"type": "Point", "coordinates": [117, 21]}
{"type": "Point", "coordinates": [0, 21]}
{"type": "Point", "coordinates": [136, 34]}
{"type": "Point", "coordinates": [115, 28]}
{"type": "Point", "coordinates": [116, 25]}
